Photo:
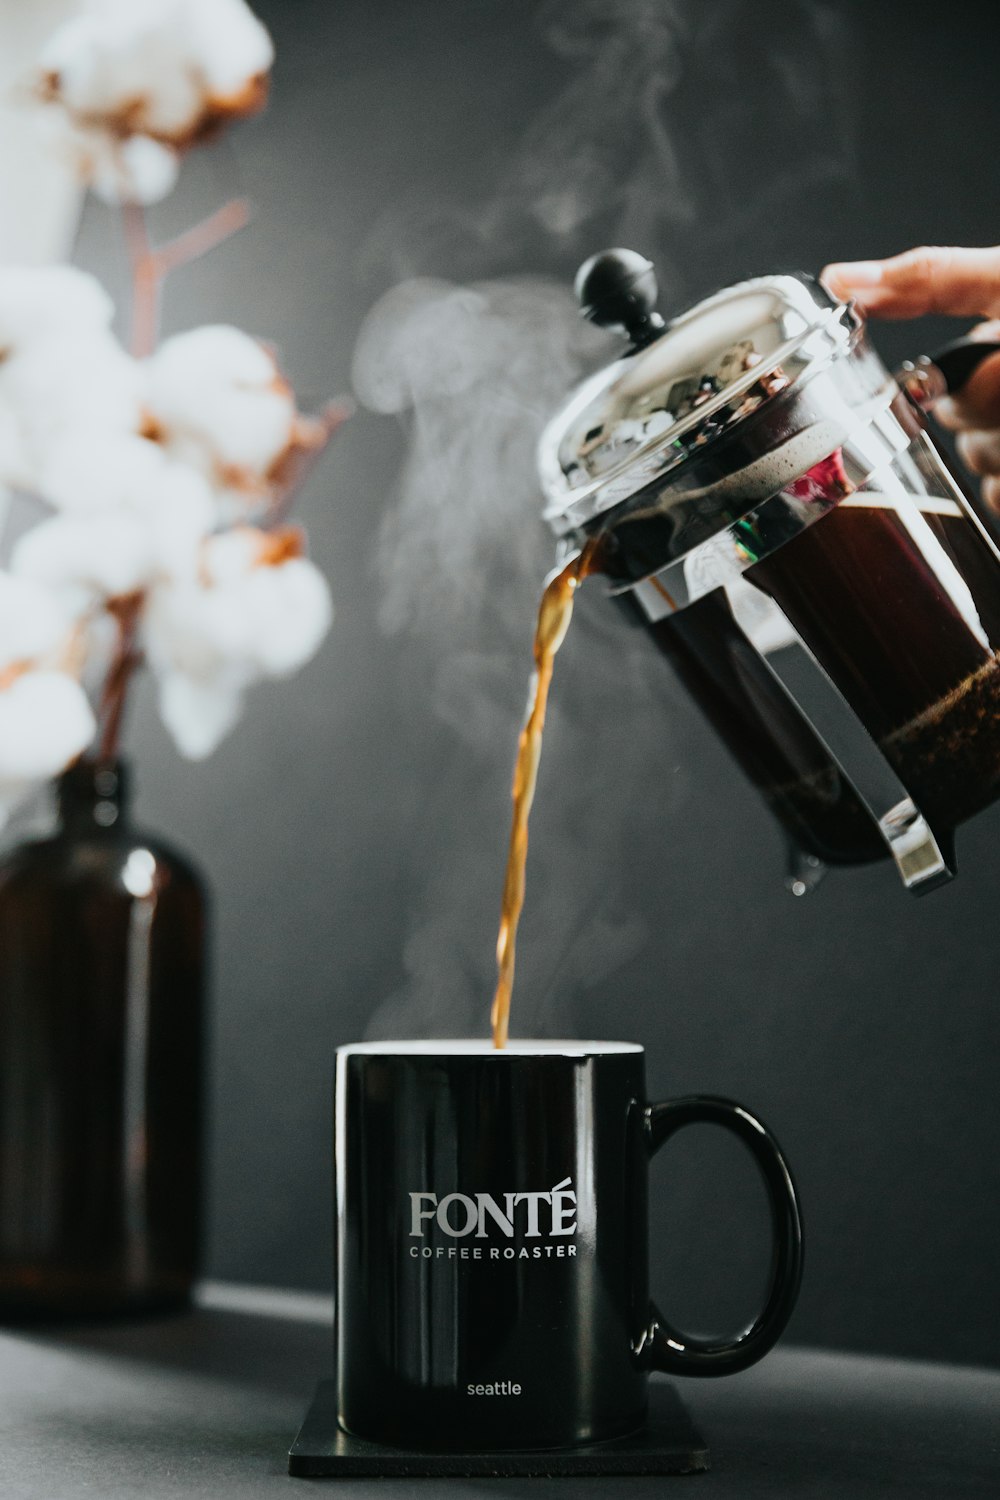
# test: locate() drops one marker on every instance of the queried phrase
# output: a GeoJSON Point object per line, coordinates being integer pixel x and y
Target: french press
{"type": "Point", "coordinates": [772, 508]}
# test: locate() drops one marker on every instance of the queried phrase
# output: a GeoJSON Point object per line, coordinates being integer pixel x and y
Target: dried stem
{"type": "Point", "coordinates": [145, 281]}
{"type": "Point", "coordinates": [203, 237]}
{"type": "Point", "coordinates": [332, 417]}
{"type": "Point", "coordinates": [150, 267]}
{"type": "Point", "coordinates": [126, 612]}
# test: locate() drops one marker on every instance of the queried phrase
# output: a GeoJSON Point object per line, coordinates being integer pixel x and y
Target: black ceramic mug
{"type": "Point", "coordinates": [492, 1255]}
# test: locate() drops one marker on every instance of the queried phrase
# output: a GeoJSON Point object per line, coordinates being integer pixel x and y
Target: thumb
{"type": "Point", "coordinates": [931, 279]}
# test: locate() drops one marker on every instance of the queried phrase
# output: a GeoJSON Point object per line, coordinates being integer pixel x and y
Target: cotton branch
{"type": "Point", "coordinates": [126, 612]}
{"type": "Point", "coordinates": [198, 241]}
{"type": "Point", "coordinates": [150, 267]}
{"type": "Point", "coordinates": [145, 281]}
{"type": "Point", "coordinates": [306, 456]}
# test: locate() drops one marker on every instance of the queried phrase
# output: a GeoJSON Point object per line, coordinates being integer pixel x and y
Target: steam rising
{"type": "Point", "coordinates": [684, 130]}
{"type": "Point", "coordinates": [480, 368]}
{"type": "Point", "coordinates": [673, 103]}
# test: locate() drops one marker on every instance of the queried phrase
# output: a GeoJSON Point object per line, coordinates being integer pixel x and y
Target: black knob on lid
{"type": "Point", "coordinates": [617, 289]}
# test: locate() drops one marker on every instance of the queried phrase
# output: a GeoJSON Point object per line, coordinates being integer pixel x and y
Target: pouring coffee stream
{"type": "Point", "coordinates": [554, 614]}
{"type": "Point", "coordinates": [771, 508]}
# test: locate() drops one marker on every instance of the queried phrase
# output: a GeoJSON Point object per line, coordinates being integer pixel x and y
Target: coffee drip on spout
{"type": "Point", "coordinates": [775, 514]}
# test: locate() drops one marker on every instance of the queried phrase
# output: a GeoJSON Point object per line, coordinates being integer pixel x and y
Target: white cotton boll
{"type": "Point", "coordinates": [266, 622]}
{"type": "Point", "coordinates": [80, 67]}
{"type": "Point", "coordinates": [52, 387]}
{"type": "Point", "coordinates": [95, 557]}
{"type": "Point", "coordinates": [107, 476]}
{"type": "Point", "coordinates": [208, 639]}
{"type": "Point", "coordinates": [69, 47]}
{"type": "Point", "coordinates": [172, 91]}
{"type": "Point", "coordinates": [231, 44]}
{"type": "Point", "coordinates": [88, 382]}
{"type": "Point", "coordinates": [265, 619]}
{"type": "Point", "coordinates": [97, 383]}
{"type": "Point", "coordinates": [34, 622]}
{"type": "Point", "coordinates": [130, 516]}
{"type": "Point", "coordinates": [289, 611]}
{"type": "Point", "coordinates": [38, 302]}
{"type": "Point", "coordinates": [167, 69]}
{"type": "Point", "coordinates": [231, 554]}
{"type": "Point", "coordinates": [194, 630]}
{"type": "Point", "coordinates": [14, 462]}
{"type": "Point", "coordinates": [59, 366]}
{"type": "Point", "coordinates": [88, 54]}
{"type": "Point", "coordinates": [91, 471]}
{"type": "Point", "coordinates": [220, 401]}
{"type": "Point", "coordinates": [137, 170]}
{"type": "Point", "coordinates": [177, 487]}
{"type": "Point", "coordinates": [199, 713]}
{"type": "Point", "coordinates": [180, 511]}
{"type": "Point", "coordinates": [45, 722]}
{"type": "Point", "coordinates": [122, 56]}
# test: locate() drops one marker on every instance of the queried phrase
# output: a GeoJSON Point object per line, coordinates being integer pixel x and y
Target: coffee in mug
{"type": "Point", "coordinates": [492, 1243]}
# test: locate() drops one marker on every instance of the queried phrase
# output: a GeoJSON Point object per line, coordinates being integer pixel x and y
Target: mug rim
{"type": "Point", "coordinates": [483, 1047]}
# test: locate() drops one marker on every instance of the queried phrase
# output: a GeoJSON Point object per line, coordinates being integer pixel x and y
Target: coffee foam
{"type": "Point", "coordinates": [774, 470]}
{"type": "Point", "coordinates": [475, 1047]}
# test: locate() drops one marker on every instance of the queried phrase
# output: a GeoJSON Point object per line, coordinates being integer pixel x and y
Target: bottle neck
{"type": "Point", "coordinates": [93, 796]}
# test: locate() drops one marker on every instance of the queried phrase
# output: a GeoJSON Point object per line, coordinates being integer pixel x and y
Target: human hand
{"type": "Point", "coordinates": [960, 283]}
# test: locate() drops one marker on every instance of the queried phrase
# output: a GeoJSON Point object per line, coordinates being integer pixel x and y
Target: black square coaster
{"type": "Point", "coordinates": [668, 1444]}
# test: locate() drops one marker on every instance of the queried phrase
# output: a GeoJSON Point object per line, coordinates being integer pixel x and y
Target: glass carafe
{"type": "Point", "coordinates": [897, 594]}
{"type": "Point", "coordinates": [771, 504]}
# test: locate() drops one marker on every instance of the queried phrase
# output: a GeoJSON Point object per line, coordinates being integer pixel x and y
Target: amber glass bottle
{"type": "Point", "coordinates": [102, 940]}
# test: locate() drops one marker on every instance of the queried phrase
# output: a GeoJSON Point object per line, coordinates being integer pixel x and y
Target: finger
{"type": "Point", "coordinates": [977, 404]}
{"type": "Point", "coordinates": [990, 492]}
{"type": "Point", "coordinates": [980, 451]}
{"type": "Point", "coordinates": [932, 279]}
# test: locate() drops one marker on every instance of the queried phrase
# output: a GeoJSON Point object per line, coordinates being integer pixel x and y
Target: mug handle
{"type": "Point", "coordinates": [663, 1347]}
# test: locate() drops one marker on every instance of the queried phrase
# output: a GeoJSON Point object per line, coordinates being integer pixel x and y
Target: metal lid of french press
{"type": "Point", "coordinates": [683, 388]}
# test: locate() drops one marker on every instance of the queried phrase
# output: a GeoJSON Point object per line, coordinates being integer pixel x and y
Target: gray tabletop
{"type": "Point", "coordinates": [206, 1404]}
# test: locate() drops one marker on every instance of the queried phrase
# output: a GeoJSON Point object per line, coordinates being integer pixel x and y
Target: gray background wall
{"type": "Point", "coordinates": [353, 829]}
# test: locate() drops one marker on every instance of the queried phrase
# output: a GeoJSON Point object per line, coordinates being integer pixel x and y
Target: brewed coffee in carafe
{"type": "Point", "coordinates": [774, 512]}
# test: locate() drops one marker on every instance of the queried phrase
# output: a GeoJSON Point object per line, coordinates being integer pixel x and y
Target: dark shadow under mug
{"type": "Point", "coordinates": [492, 1243]}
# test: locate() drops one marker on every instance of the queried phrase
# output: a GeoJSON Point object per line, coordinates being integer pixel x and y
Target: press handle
{"type": "Point", "coordinates": [664, 1347]}
{"type": "Point", "coordinates": [931, 376]}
